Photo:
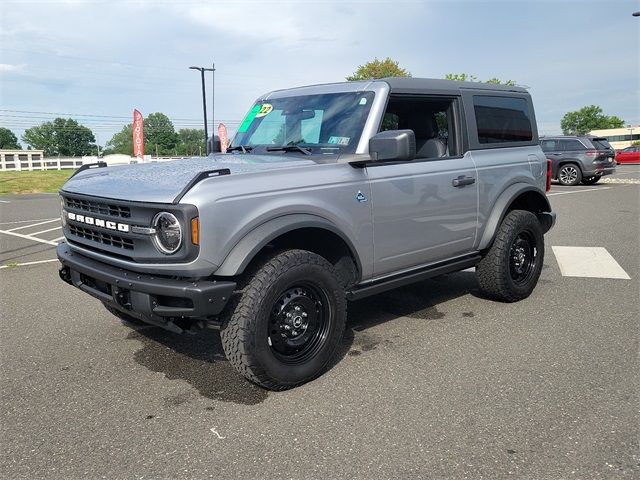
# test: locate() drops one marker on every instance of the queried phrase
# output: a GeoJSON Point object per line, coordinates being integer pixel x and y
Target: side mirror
{"type": "Point", "coordinates": [213, 145]}
{"type": "Point", "coordinates": [393, 145]}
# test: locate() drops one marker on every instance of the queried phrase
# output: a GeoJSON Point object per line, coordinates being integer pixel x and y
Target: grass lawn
{"type": "Point", "coordinates": [33, 182]}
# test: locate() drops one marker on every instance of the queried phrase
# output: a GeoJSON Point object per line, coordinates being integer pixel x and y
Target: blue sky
{"type": "Point", "coordinates": [100, 59]}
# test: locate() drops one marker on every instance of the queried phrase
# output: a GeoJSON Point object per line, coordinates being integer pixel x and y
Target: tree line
{"type": "Point", "coordinates": [66, 137]}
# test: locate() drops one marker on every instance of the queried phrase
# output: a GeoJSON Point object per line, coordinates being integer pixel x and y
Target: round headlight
{"type": "Point", "coordinates": [168, 235]}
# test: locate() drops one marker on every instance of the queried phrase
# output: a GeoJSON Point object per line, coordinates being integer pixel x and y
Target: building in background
{"type": "Point", "coordinates": [619, 138]}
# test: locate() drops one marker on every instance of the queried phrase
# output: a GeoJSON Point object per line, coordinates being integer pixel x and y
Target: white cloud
{"type": "Point", "coordinates": [251, 21]}
{"type": "Point", "coordinates": [7, 67]}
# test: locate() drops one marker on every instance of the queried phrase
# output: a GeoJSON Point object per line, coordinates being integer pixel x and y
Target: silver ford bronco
{"type": "Point", "coordinates": [327, 193]}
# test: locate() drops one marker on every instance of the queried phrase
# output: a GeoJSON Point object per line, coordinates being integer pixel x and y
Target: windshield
{"type": "Point", "coordinates": [329, 123]}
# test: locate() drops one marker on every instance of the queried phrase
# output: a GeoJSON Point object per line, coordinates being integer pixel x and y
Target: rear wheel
{"type": "Point", "coordinates": [511, 268]}
{"type": "Point", "coordinates": [284, 327]}
{"type": "Point", "coordinates": [569, 175]}
{"type": "Point", "coordinates": [591, 180]}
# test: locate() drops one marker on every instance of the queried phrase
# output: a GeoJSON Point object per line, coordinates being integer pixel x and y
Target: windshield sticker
{"type": "Point", "coordinates": [249, 118]}
{"type": "Point", "coordinates": [363, 101]}
{"type": "Point", "coordinates": [339, 140]}
{"type": "Point", "coordinates": [265, 110]}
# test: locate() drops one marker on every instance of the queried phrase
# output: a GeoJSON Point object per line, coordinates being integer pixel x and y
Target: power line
{"type": "Point", "coordinates": [128, 117]}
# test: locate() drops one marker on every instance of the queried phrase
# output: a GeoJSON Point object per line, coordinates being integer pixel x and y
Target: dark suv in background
{"type": "Point", "coordinates": [578, 159]}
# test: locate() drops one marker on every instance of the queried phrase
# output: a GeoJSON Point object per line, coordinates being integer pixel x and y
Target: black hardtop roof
{"type": "Point", "coordinates": [405, 85]}
{"type": "Point", "coordinates": [415, 85]}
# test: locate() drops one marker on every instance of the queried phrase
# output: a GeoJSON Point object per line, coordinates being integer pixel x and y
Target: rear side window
{"type": "Point", "coordinates": [572, 145]}
{"type": "Point", "coordinates": [502, 119]}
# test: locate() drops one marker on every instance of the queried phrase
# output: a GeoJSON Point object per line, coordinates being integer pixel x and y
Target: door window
{"type": "Point", "coordinates": [432, 122]}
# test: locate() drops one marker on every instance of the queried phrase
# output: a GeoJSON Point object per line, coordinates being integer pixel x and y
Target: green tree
{"type": "Point", "coordinates": [586, 119]}
{"type": "Point", "coordinates": [8, 139]}
{"type": "Point", "coordinates": [121, 142]}
{"type": "Point", "coordinates": [378, 69]}
{"type": "Point", "coordinates": [159, 135]}
{"type": "Point", "coordinates": [61, 137]}
{"type": "Point", "coordinates": [191, 142]}
{"type": "Point", "coordinates": [465, 77]}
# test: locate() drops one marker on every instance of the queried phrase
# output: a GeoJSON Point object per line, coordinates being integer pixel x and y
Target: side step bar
{"type": "Point", "coordinates": [413, 276]}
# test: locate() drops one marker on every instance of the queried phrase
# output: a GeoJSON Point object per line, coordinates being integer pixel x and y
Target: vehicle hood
{"type": "Point", "coordinates": [162, 182]}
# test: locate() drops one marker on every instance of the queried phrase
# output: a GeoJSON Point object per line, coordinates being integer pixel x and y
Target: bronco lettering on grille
{"type": "Point", "coordinates": [98, 222]}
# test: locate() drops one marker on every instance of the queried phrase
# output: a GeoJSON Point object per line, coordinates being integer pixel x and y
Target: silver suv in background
{"type": "Point", "coordinates": [578, 159]}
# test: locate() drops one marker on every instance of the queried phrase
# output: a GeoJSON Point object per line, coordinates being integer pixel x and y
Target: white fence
{"type": "Point", "coordinates": [30, 164]}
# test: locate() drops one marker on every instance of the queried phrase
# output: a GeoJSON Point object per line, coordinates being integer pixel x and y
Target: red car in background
{"type": "Point", "coordinates": [628, 155]}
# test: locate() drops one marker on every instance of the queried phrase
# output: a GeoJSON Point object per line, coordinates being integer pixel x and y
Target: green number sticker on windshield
{"type": "Point", "coordinates": [264, 110]}
{"type": "Point", "coordinates": [249, 118]}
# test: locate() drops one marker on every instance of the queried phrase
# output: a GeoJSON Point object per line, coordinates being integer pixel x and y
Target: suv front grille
{"type": "Point", "coordinates": [108, 226]}
{"type": "Point", "coordinates": [101, 237]}
{"type": "Point", "coordinates": [98, 207]}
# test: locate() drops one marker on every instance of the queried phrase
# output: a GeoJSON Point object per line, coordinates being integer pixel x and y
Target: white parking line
{"type": "Point", "coordinates": [627, 173]}
{"type": "Point", "coordinates": [26, 221]}
{"type": "Point", "coordinates": [33, 225]}
{"type": "Point", "coordinates": [591, 262]}
{"type": "Point", "coordinates": [584, 190]}
{"type": "Point", "coordinates": [28, 237]}
{"type": "Point", "coordinates": [5, 201]}
{"type": "Point", "coordinates": [45, 231]}
{"type": "Point", "coordinates": [58, 239]}
{"type": "Point", "coordinates": [28, 263]}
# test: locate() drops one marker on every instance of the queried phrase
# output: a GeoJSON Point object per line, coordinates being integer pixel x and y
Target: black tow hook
{"type": "Point", "coordinates": [65, 274]}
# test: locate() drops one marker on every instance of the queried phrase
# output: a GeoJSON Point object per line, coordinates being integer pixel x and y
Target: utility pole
{"type": "Point", "coordinates": [204, 100]}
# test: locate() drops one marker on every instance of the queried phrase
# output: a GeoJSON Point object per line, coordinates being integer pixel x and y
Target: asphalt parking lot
{"type": "Point", "coordinates": [434, 382]}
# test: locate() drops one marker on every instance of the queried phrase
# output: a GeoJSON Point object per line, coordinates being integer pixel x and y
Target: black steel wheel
{"type": "Point", "coordinates": [300, 322]}
{"type": "Point", "coordinates": [569, 174]}
{"type": "Point", "coordinates": [284, 326]}
{"type": "Point", "coordinates": [510, 269]}
{"type": "Point", "coordinates": [522, 257]}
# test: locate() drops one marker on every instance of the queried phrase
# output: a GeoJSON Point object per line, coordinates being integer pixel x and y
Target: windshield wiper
{"type": "Point", "coordinates": [241, 148]}
{"type": "Point", "coordinates": [289, 148]}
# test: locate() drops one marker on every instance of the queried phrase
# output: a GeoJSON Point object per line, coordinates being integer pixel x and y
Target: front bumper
{"type": "Point", "coordinates": [152, 299]}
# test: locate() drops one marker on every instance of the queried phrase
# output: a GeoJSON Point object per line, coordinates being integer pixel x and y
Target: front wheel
{"type": "Point", "coordinates": [510, 269]}
{"type": "Point", "coordinates": [569, 175]}
{"type": "Point", "coordinates": [284, 327]}
{"type": "Point", "coordinates": [591, 180]}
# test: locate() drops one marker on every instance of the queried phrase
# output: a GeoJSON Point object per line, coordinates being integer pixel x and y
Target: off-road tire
{"type": "Point", "coordinates": [569, 175]}
{"type": "Point", "coordinates": [591, 180]}
{"type": "Point", "coordinates": [126, 319]}
{"type": "Point", "coordinates": [251, 322]}
{"type": "Point", "coordinates": [498, 274]}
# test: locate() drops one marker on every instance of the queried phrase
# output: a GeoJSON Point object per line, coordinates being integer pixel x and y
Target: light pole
{"type": "Point", "coordinates": [204, 101]}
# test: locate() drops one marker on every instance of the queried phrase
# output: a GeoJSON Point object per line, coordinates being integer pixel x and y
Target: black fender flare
{"type": "Point", "coordinates": [248, 247]}
{"type": "Point", "coordinates": [501, 207]}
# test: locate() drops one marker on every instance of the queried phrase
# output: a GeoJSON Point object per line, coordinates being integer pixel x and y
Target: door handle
{"type": "Point", "coordinates": [461, 181]}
